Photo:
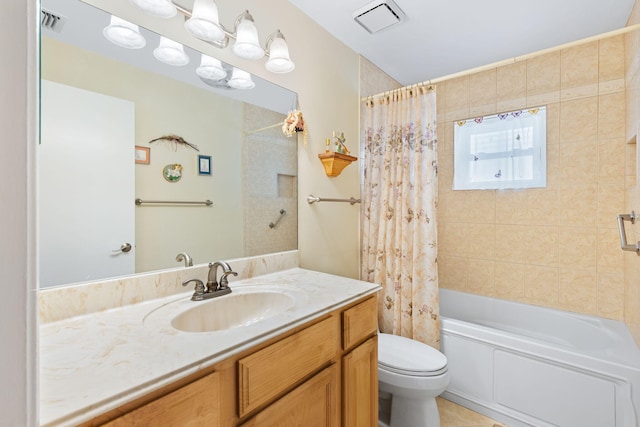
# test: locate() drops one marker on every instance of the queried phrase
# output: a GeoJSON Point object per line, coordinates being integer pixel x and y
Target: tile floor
{"type": "Point", "coordinates": [453, 415]}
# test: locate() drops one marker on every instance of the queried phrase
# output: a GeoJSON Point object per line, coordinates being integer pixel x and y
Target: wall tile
{"type": "Point", "coordinates": [579, 120]}
{"type": "Point", "coordinates": [481, 273]}
{"type": "Point", "coordinates": [553, 123]}
{"type": "Point", "coordinates": [578, 205]}
{"type": "Point", "coordinates": [610, 258]}
{"type": "Point", "coordinates": [542, 206]}
{"type": "Point", "coordinates": [457, 98]}
{"type": "Point", "coordinates": [577, 248]}
{"type": "Point", "coordinates": [579, 163]}
{"type": "Point", "coordinates": [611, 58]}
{"type": "Point", "coordinates": [541, 246]}
{"type": "Point", "coordinates": [453, 272]}
{"type": "Point", "coordinates": [483, 88]}
{"type": "Point", "coordinates": [543, 74]}
{"type": "Point", "coordinates": [610, 204]}
{"type": "Point", "coordinates": [611, 157]}
{"type": "Point", "coordinates": [611, 295]}
{"type": "Point", "coordinates": [579, 92]}
{"type": "Point", "coordinates": [541, 285]}
{"type": "Point", "coordinates": [512, 81]}
{"type": "Point", "coordinates": [510, 243]}
{"type": "Point", "coordinates": [579, 65]}
{"type": "Point", "coordinates": [511, 206]}
{"type": "Point", "coordinates": [577, 291]}
{"type": "Point", "coordinates": [509, 280]}
{"type": "Point", "coordinates": [611, 115]}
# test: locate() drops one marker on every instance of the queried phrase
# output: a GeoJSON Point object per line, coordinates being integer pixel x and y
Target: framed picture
{"type": "Point", "coordinates": [204, 165]}
{"type": "Point", "coordinates": [143, 155]}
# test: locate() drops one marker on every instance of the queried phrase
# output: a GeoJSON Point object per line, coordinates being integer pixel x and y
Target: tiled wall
{"type": "Point", "coordinates": [631, 260]}
{"type": "Point", "coordinates": [557, 246]}
{"type": "Point", "coordinates": [270, 183]}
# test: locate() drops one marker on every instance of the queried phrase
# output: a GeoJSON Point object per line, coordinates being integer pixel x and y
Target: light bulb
{"type": "Point", "coordinates": [124, 34]}
{"type": "Point", "coordinates": [203, 23]}
{"type": "Point", "coordinates": [210, 68]}
{"type": "Point", "coordinates": [241, 79]}
{"type": "Point", "coordinates": [247, 45]}
{"type": "Point", "coordinates": [158, 8]}
{"type": "Point", "coordinates": [279, 60]}
{"type": "Point", "coordinates": [170, 52]}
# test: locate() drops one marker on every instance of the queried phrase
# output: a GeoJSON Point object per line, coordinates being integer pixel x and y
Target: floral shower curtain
{"type": "Point", "coordinates": [399, 198]}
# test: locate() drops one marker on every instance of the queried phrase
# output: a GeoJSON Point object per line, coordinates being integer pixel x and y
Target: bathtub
{"type": "Point", "coordinates": [532, 366]}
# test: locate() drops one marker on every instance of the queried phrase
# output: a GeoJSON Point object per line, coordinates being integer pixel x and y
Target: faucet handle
{"type": "Point", "coordinates": [224, 282]}
{"type": "Point", "coordinates": [199, 292]}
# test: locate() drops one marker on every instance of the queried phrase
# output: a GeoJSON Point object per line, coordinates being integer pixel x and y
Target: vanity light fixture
{"type": "Point", "coordinates": [124, 34]}
{"type": "Point", "coordinates": [203, 23]}
{"type": "Point", "coordinates": [241, 79]}
{"type": "Point", "coordinates": [170, 52]}
{"type": "Point", "coordinates": [158, 8]}
{"type": "Point", "coordinates": [247, 45]}
{"type": "Point", "coordinates": [279, 60]}
{"type": "Point", "coordinates": [211, 68]}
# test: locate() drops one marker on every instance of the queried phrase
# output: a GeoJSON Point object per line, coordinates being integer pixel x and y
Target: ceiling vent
{"type": "Point", "coordinates": [378, 15]}
{"type": "Point", "coordinates": [52, 21]}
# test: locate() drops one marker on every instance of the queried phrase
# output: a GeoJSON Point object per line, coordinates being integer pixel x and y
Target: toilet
{"type": "Point", "coordinates": [410, 376]}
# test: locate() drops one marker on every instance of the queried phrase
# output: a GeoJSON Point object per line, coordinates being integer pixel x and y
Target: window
{"type": "Point", "coordinates": [506, 150]}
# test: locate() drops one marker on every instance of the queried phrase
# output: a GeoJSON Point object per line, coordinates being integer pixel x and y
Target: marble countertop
{"type": "Point", "coordinates": [93, 363]}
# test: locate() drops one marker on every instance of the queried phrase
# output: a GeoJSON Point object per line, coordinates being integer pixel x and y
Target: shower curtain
{"type": "Point", "coordinates": [399, 199]}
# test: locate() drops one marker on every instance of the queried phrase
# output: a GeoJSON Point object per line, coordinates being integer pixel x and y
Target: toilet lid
{"type": "Point", "coordinates": [409, 357]}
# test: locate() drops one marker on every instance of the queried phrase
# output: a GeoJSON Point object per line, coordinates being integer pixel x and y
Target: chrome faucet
{"type": "Point", "coordinates": [212, 281]}
{"type": "Point", "coordinates": [183, 256]}
{"type": "Point", "coordinates": [212, 289]}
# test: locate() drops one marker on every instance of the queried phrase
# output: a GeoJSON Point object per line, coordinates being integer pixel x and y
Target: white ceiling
{"type": "Point", "coordinates": [439, 38]}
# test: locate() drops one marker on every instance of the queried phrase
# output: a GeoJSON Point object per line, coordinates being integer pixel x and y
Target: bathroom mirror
{"type": "Point", "coordinates": [115, 120]}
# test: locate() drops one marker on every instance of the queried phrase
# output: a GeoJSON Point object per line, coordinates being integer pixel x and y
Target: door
{"type": "Point", "coordinates": [360, 385]}
{"type": "Point", "coordinates": [86, 185]}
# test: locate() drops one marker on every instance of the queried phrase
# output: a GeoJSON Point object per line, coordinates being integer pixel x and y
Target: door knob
{"type": "Point", "coordinates": [125, 247]}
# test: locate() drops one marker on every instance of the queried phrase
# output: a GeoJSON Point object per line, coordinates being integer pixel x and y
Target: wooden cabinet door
{"type": "Point", "coordinates": [359, 322]}
{"type": "Point", "coordinates": [193, 405]}
{"type": "Point", "coordinates": [314, 403]}
{"type": "Point", "coordinates": [269, 372]}
{"type": "Point", "coordinates": [360, 385]}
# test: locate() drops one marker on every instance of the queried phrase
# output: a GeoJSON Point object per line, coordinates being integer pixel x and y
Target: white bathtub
{"type": "Point", "coordinates": [532, 366]}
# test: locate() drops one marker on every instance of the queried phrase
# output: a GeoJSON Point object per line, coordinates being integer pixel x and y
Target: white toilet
{"type": "Point", "coordinates": [410, 376]}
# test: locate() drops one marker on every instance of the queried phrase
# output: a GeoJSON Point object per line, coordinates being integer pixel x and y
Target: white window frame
{"type": "Point", "coordinates": [529, 124]}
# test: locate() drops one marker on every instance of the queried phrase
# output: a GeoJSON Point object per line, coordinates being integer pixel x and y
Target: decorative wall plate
{"type": "Point", "coordinates": [172, 172]}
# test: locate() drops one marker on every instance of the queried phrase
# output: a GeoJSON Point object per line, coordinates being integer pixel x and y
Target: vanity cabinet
{"type": "Point", "coordinates": [170, 410]}
{"type": "Point", "coordinates": [321, 373]}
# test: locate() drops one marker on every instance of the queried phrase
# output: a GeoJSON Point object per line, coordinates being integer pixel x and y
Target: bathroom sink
{"type": "Point", "coordinates": [232, 311]}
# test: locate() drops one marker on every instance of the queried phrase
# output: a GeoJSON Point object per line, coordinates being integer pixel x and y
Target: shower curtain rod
{"type": "Point", "coordinates": [512, 60]}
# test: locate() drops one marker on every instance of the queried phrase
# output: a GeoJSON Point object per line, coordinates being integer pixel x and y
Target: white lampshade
{"type": "Point", "coordinates": [204, 23]}
{"type": "Point", "coordinates": [157, 8]}
{"type": "Point", "coordinates": [279, 60]}
{"type": "Point", "coordinates": [124, 34]}
{"type": "Point", "coordinates": [170, 52]}
{"type": "Point", "coordinates": [247, 45]}
{"type": "Point", "coordinates": [210, 68]}
{"type": "Point", "coordinates": [240, 79]}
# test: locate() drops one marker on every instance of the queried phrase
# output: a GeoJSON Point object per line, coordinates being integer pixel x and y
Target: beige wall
{"type": "Point", "coordinates": [557, 246]}
{"type": "Point", "coordinates": [632, 200]}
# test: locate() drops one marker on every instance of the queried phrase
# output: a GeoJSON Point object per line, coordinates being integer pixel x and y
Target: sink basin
{"type": "Point", "coordinates": [234, 310]}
